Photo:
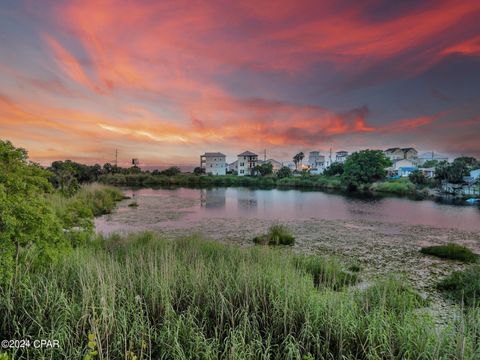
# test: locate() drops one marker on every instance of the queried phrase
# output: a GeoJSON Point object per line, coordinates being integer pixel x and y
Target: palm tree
{"type": "Point", "coordinates": [297, 159]}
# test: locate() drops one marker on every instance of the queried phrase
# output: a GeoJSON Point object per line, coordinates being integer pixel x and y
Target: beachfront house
{"type": "Point", "coordinates": [396, 153]}
{"type": "Point", "coordinates": [316, 162]}
{"type": "Point", "coordinates": [246, 163]}
{"type": "Point", "coordinates": [341, 156]}
{"type": "Point", "coordinates": [213, 163]}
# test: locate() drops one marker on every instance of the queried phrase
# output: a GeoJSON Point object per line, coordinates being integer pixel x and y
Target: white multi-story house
{"type": "Point", "coordinates": [246, 163]}
{"type": "Point", "coordinates": [213, 163]}
{"type": "Point", "coordinates": [341, 156]}
{"type": "Point", "coordinates": [316, 162]}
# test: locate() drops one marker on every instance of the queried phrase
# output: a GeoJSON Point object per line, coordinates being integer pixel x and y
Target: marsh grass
{"type": "Point", "coordinates": [148, 297]}
{"type": "Point", "coordinates": [398, 187]}
{"type": "Point", "coordinates": [451, 251]}
{"type": "Point", "coordinates": [463, 286]}
{"type": "Point", "coordinates": [77, 212]}
{"type": "Point", "coordinates": [277, 235]}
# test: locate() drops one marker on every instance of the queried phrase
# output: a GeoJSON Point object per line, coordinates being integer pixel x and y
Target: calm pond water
{"type": "Point", "coordinates": [183, 207]}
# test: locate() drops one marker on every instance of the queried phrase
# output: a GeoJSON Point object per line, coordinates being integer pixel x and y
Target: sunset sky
{"type": "Point", "coordinates": [165, 81]}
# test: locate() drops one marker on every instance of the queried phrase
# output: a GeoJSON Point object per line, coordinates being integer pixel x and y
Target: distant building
{"type": "Point", "coordinates": [246, 163]}
{"type": "Point", "coordinates": [428, 172]}
{"type": "Point", "coordinates": [427, 156]}
{"type": "Point", "coordinates": [403, 167]}
{"type": "Point", "coordinates": [290, 165]}
{"type": "Point", "coordinates": [396, 153]}
{"type": "Point", "coordinates": [341, 156]}
{"type": "Point", "coordinates": [213, 163]}
{"type": "Point", "coordinates": [316, 162]}
{"type": "Point", "coordinates": [475, 174]}
{"type": "Point", "coordinates": [233, 167]}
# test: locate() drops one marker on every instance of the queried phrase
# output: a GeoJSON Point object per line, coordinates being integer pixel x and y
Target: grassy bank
{"type": "Point", "coordinates": [398, 187]}
{"type": "Point", "coordinates": [77, 212]}
{"type": "Point", "coordinates": [190, 180]}
{"type": "Point", "coordinates": [146, 297]}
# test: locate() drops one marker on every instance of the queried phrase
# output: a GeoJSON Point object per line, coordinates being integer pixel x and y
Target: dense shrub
{"type": "Point", "coordinates": [276, 235]}
{"type": "Point", "coordinates": [463, 286]}
{"type": "Point", "coordinates": [451, 251]}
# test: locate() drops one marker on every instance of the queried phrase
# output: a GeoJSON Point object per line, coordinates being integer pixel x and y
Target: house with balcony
{"type": "Point", "coordinates": [213, 163]}
{"type": "Point", "coordinates": [316, 162]}
{"type": "Point", "coordinates": [246, 163]}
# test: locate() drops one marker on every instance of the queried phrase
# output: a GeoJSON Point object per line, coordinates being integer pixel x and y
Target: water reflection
{"type": "Point", "coordinates": [213, 198]}
{"type": "Point", "coordinates": [247, 200]}
{"type": "Point", "coordinates": [182, 206]}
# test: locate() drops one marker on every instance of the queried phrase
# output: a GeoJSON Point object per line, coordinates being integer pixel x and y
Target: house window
{"type": "Point", "coordinates": [242, 164]}
{"type": "Point", "coordinates": [241, 171]}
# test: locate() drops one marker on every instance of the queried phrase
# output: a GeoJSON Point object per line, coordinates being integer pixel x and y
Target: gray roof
{"type": "Point", "coordinates": [209, 154]}
{"type": "Point", "coordinates": [247, 153]}
{"type": "Point", "coordinates": [432, 156]}
{"type": "Point", "coordinates": [393, 149]}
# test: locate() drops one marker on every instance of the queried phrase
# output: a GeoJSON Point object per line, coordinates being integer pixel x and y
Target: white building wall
{"type": "Point", "coordinates": [245, 165]}
{"type": "Point", "coordinates": [215, 165]}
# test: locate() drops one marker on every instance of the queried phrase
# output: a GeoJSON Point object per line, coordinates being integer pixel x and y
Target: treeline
{"type": "Point", "coordinates": [39, 223]}
{"type": "Point", "coordinates": [68, 175]}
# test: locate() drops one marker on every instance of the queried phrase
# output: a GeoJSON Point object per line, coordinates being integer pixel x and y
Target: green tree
{"type": "Point", "coordinates": [334, 169]}
{"type": "Point", "coordinates": [27, 221]}
{"type": "Point", "coordinates": [456, 171]}
{"type": "Point", "coordinates": [430, 164]}
{"type": "Point", "coordinates": [199, 170]}
{"type": "Point", "coordinates": [264, 169]}
{"type": "Point", "coordinates": [171, 171]}
{"type": "Point", "coordinates": [365, 167]}
{"type": "Point", "coordinates": [284, 172]}
{"type": "Point", "coordinates": [417, 177]}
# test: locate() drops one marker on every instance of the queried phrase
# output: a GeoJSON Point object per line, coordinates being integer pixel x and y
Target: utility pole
{"type": "Point", "coordinates": [116, 157]}
{"type": "Point", "coordinates": [265, 155]}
